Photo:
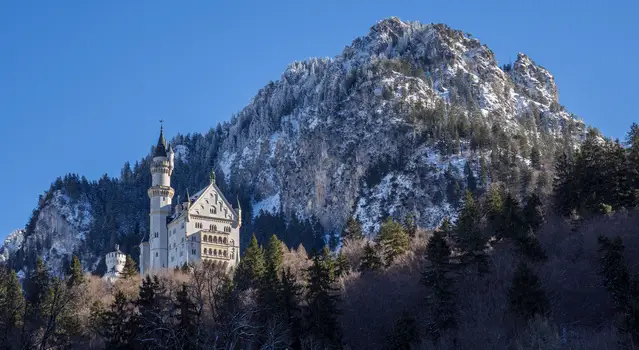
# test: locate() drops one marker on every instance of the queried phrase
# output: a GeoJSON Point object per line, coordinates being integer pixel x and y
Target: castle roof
{"type": "Point", "coordinates": [160, 149]}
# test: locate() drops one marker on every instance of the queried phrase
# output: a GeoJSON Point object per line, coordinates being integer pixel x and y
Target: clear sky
{"type": "Point", "coordinates": [84, 83]}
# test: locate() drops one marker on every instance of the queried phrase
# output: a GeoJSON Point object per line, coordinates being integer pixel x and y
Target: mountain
{"type": "Point", "coordinates": [402, 122]}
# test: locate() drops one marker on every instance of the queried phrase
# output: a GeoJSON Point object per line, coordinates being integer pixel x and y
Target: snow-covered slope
{"type": "Point", "coordinates": [11, 244]}
{"type": "Point", "coordinates": [385, 128]}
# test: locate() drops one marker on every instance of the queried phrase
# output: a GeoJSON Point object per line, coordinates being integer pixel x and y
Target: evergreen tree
{"type": "Point", "coordinates": [371, 260]}
{"type": "Point", "coordinates": [185, 320]}
{"type": "Point", "coordinates": [393, 239]}
{"type": "Point", "coordinates": [353, 230]}
{"type": "Point", "coordinates": [251, 268]}
{"type": "Point", "coordinates": [437, 276]}
{"type": "Point", "coordinates": [527, 297]}
{"type": "Point", "coordinates": [495, 210]}
{"type": "Point", "coordinates": [564, 187]}
{"type": "Point", "coordinates": [322, 302]}
{"type": "Point", "coordinates": [410, 226]}
{"type": "Point", "coordinates": [405, 333]}
{"type": "Point", "coordinates": [535, 157]}
{"type": "Point", "coordinates": [290, 294]}
{"type": "Point", "coordinates": [116, 327]}
{"type": "Point", "coordinates": [471, 181]}
{"type": "Point", "coordinates": [468, 235]}
{"type": "Point", "coordinates": [342, 266]}
{"type": "Point", "coordinates": [153, 316]}
{"type": "Point", "coordinates": [533, 214]}
{"type": "Point", "coordinates": [36, 289]}
{"type": "Point", "coordinates": [130, 270]}
{"type": "Point", "coordinates": [614, 270]}
{"type": "Point", "coordinates": [75, 274]}
{"type": "Point", "coordinates": [11, 305]}
{"type": "Point", "coordinates": [513, 223]}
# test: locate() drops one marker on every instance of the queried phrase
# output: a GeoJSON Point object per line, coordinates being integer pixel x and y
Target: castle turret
{"type": "Point", "coordinates": [115, 261]}
{"type": "Point", "coordinates": [160, 195]}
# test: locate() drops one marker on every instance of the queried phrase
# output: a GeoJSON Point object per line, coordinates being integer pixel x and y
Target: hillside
{"type": "Point", "coordinates": [401, 122]}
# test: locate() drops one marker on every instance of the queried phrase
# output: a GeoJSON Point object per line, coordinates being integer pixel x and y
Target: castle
{"type": "Point", "coordinates": [115, 261]}
{"type": "Point", "coordinates": [204, 227]}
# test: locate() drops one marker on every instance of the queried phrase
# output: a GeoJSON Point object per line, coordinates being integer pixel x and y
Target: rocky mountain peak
{"type": "Point", "coordinates": [538, 81]}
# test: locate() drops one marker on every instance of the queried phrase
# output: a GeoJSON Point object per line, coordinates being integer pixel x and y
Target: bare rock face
{"type": "Point", "coordinates": [388, 127]}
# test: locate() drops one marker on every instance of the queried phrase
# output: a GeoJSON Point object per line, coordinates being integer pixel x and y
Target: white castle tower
{"type": "Point", "coordinates": [115, 261]}
{"type": "Point", "coordinates": [160, 195]}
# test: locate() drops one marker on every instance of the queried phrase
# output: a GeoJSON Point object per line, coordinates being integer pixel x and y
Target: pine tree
{"type": "Point", "coordinates": [130, 270]}
{"type": "Point", "coordinates": [153, 313]}
{"type": "Point", "coordinates": [289, 297]}
{"type": "Point", "coordinates": [527, 297]}
{"type": "Point", "coordinates": [322, 302]}
{"type": "Point", "coordinates": [270, 285]}
{"type": "Point", "coordinates": [393, 239]}
{"type": "Point", "coordinates": [116, 327]}
{"type": "Point", "coordinates": [410, 226]}
{"type": "Point", "coordinates": [564, 187]}
{"type": "Point", "coordinates": [533, 214]}
{"type": "Point", "coordinates": [471, 181]}
{"type": "Point", "coordinates": [11, 305]}
{"type": "Point", "coordinates": [535, 157]}
{"type": "Point", "coordinates": [614, 270]}
{"type": "Point", "coordinates": [185, 320]}
{"type": "Point", "coordinates": [437, 276]}
{"type": "Point", "coordinates": [513, 223]}
{"type": "Point", "coordinates": [495, 210]}
{"type": "Point", "coordinates": [371, 260]}
{"type": "Point", "coordinates": [37, 289]}
{"type": "Point", "coordinates": [405, 333]}
{"type": "Point", "coordinates": [251, 268]}
{"type": "Point", "coordinates": [76, 274]}
{"type": "Point", "coordinates": [342, 265]}
{"type": "Point", "coordinates": [353, 230]}
{"type": "Point", "coordinates": [468, 235]}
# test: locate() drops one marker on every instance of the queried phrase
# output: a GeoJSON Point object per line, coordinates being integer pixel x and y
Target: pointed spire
{"type": "Point", "coordinates": [212, 176]}
{"type": "Point", "coordinates": [188, 197]}
{"type": "Point", "coordinates": [160, 149]}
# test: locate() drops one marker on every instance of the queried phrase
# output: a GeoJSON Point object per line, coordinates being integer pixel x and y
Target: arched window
{"type": "Point", "coordinates": [210, 227]}
{"type": "Point", "coordinates": [210, 251]}
{"type": "Point", "coordinates": [214, 239]}
{"type": "Point", "coordinates": [225, 240]}
{"type": "Point", "coordinates": [215, 252]}
{"type": "Point", "coordinates": [225, 253]}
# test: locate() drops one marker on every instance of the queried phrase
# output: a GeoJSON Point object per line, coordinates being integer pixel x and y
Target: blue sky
{"type": "Point", "coordinates": [83, 84]}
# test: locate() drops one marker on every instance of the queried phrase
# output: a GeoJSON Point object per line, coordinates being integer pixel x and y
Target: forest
{"type": "Point", "coordinates": [547, 271]}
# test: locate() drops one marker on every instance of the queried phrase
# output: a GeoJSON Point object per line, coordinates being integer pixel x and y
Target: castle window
{"type": "Point", "coordinates": [193, 238]}
{"type": "Point", "coordinates": [156, 254]}
{"type": "Point", "coordinates": [214, 239]}
{"type": "Point", "coordinates": [182, 224]}
{"type": "Point", "coordinates": [210, 227]}
{"type": "Point", "coordinates": [198, 225]}
{"type": "Point", "coordinates": [210, 251]}
{"type": "Point", "coordinates": [156, 235]}
{"type": "Point", "coordinates": [193, 252]}
{"type": "Point", "coordinates": [212, 210]}
{"type": "Point", "coordinates": [224, 240]}
{"type": "Point", "coordinates": [215, 252]}
{"type": "Point", "coordinates": [225, 253]}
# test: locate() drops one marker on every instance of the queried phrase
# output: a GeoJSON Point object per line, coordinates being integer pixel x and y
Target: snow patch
{"type": "Point", "coordinates": [268, 205]}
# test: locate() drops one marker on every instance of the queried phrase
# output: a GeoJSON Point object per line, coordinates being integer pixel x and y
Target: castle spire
{"type": "Point", "coordinates": [212, 176]}
{"type": "Point", "coordinates": [160, 149]}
